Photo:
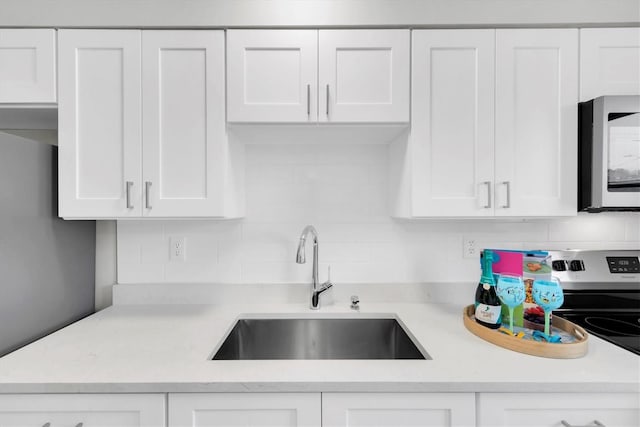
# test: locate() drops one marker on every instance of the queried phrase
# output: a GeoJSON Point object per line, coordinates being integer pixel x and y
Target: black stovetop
{"type": "Point", "coordinates": [613, 315]}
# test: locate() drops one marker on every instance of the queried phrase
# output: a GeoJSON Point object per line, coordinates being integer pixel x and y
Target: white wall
{"type": "Point", "coordinates": [342, 190]}
{"type": "Point", "coordinates": [252, 13]}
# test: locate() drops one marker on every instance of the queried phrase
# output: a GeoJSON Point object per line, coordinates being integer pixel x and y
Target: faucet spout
{"type": "Point", "coordinates": [301, 257]}
{"type": "Point", "coordinates": [316, 288]}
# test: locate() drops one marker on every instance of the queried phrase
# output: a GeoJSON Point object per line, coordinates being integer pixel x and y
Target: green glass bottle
{"type": "Point", "coordinates": [488, 306]}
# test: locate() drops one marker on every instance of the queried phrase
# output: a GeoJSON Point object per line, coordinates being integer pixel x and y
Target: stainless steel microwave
{"type": "Point", "coordinates": [609, 154]}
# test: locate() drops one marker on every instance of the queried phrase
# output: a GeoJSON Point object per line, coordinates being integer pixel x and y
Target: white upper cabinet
{"type": "Point", "coordinates": [183, 122]}
{"type": "Point", "coordinates": [536, 122]}
{"type": "Point", "coordinates": [298, 76]}
{"type": "Point", "coordinates": [142, 130]}
{"type": "Point", "coordinates": [272, 75]}
{"type": "Point", "coordinates": [609, 62]}
{"type": "Point", "coordinates": [363, 76]}
{"type": "Point", "coordinates": [99, 125]}
{"type": "Point", "coordinates": [452, 121]}
{"type": "Point", "coordinates": [470, 155]}
{"type": "Point", "coordinates": [27, 66]}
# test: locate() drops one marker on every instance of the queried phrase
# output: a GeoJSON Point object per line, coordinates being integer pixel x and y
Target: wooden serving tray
{"type": "Point", "coordinates": [572, 350]}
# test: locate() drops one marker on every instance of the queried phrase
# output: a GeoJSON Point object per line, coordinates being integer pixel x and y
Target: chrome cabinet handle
{"type": "Point", "coordinates": [327, 99]}
{"type": "Point", "coordinates": [308, 100]}
{"type": "Point", "coordinates": [147, 202]}
{"type": "Point", "coordinates": [488, 184]}
{"type": "Point", "coordinates": [49, 425]}
{"type": "Point", "coordinates": [508, 204]}
{"type": "Point", "coordinates": [129, 185]}
{"type": "Point", "coordinates": [595, 423]}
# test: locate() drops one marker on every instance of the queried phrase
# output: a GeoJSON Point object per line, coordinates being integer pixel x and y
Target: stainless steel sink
{"type": "Point", "coordinates": [373, 338]}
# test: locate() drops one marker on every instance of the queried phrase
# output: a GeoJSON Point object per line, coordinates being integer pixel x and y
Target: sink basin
{"type": "Point", "coordinates": [311, 338]}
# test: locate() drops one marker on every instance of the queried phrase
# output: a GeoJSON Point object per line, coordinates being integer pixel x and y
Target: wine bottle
{"type": "Point", "coordinates": [488, 306]}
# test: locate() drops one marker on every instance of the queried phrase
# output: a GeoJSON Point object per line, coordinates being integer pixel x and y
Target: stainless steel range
{"type": "Point", "coordinates": [602, 293]}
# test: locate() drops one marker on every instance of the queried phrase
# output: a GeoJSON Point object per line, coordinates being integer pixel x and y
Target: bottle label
{"type": "Point", "coordinates": [488, 313]}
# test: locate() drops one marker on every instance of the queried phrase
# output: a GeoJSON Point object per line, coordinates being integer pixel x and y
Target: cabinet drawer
{"type": "Point", "coordinates": [550, 409]}
{"type": "Point", "coordinates": [398, 409]}
{"type": "Point", "coordinates": [244, 409]}
{"type": "Point", "coordinates": [86, 410]}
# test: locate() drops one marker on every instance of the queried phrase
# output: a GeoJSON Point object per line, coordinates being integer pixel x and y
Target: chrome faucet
{"type": "Point", "coordinates": [316, 288]}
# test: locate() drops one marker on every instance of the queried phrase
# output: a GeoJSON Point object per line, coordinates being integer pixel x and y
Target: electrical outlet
{"type": "Point", "coordinates": [178, 248]}
{"type": "Point", "coordinates": [470, 249]}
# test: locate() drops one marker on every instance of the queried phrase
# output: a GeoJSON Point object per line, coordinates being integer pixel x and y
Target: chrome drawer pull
{"type": "Point", "coordinates": [595, 423]}
{"type": "Point", "coordinates": [308, 100]}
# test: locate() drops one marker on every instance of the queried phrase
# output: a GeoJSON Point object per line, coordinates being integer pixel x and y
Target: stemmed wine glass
{"type": "Point", "coordinates": [510, 290]}
{"type": "Point", "coordinates": [548, 295]}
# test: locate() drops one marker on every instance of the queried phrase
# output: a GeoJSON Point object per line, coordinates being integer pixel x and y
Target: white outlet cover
{"type": "Point", "coordinates": [178, 249]}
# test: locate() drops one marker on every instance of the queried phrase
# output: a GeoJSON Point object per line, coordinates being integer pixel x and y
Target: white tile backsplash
{"type": "Point", "coordinates": [342, 191]}
{"type": "Point", "coordinates": [633, 228]}
{"type": "Point", "coordinates": [589, 227]}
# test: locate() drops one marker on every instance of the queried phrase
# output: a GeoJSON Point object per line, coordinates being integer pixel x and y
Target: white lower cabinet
{"type": "Point", "coordinates": [328, 409]}
{"type": "Point", "coordinates": [82, 410]}
{"type": "Point", "coordinates": [398, 409]}
{"type": "Point", "coordinates": [244, 409]}
{"type": "Point", "coordinates": [558, 409]}
{"type": "Point", "coordinates": [321, 409]}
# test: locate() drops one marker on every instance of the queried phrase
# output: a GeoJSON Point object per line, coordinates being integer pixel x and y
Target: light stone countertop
{"type": "Point", "coordinates": [165, 348]}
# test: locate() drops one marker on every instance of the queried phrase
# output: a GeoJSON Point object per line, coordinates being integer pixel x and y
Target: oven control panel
{"type": "Point", "coordinates": [626, 264]}
{"type": "Point", "coordinates": [597, 269]}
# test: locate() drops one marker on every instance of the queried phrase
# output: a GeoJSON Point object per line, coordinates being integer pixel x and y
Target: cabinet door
{"type": "Point", "coordinates": [88, 410]}
{"type": "Point", "coordinates": [452, 125]}
{"type": "Point", "coordinates": [27, 66]}
{"type": "Point", "coordinates": [99, 140]}
{"type": "Point", "coordinates": [536, 122]}
{"type": "Point", "coordinates": [398, 409]}
{"type": "Point", "coordinates": [364, 76]}
{"type": "Point", "coordinates": [244, 409]}
{"type": "Point", "coordinates": [272, 75]}
{"type": "Point", "coordinates": [550, 409]}
{"type": "Point", "coordinates": [184, 136]}
{"type": "Point", "coordinates": [609, 62]}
